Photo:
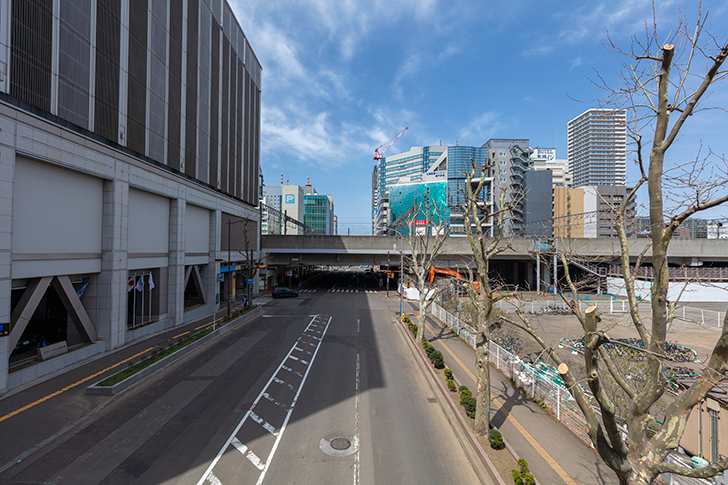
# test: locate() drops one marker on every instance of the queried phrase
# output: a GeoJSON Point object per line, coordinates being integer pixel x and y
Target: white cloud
{"type": "Point", "coordinates": [480, 129]}
{"type": "Point", "coordinates": [574, 62]}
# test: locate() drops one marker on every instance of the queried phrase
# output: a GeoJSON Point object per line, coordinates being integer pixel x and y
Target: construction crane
{"type": "Point", "coordinates": [379, 152]}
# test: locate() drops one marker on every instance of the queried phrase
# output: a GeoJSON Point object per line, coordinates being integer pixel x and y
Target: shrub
{"type": "Point", "coordinates": [448, 374]}
{"type": "Point", "coordinates": [496, 439]}
{"type": "Point", "coordinates": [406, 320]}
{"type": "Point", "coordinates": [470, 404]}
{"type": "Point", "coordinates": [451, 385]}
{"type": "Point", "coordinates": [462, 388]}
{"type": "Point", "coordinates": [413, 328]}
{"type": "Point", "coordinates": [465, 394]}
{"type": "Point", "coordinates": [522, 476]}
{"type": "Point", "coordinates": [437, 359]}
{"type": "Point", "coordinates": [517, 478]}
{"type": "Point", "coordinates": [429, 351]}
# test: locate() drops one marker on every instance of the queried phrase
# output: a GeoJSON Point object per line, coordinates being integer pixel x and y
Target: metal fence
{"type": "Point", "coordinates": [543, 384]}
{"type": "Point", "coordinates": [557, 306]}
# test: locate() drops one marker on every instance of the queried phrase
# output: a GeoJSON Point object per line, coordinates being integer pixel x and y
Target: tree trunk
{"type": "Point", "coordinates": [482, 361]}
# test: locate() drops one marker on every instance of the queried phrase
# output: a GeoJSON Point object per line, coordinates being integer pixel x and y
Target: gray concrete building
{"type": "Point", "coordinates": [129, 157]}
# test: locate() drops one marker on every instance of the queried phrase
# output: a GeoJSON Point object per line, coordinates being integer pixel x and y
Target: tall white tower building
{"type": "Point", "coordinates": [597, 145]}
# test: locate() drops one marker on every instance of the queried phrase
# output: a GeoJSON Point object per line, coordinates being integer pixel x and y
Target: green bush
{"type": "Point", "coordinates": [522, 476]}
{"type": "Point", "coordinates": [496, 439]}
{"type": "Point", "coordinates": [470, 404]}
{"type": "Point", "coordinates": [462, 388]}
{"type": "Point", "coordinates": [448, 373]}
{"type": "Point", "coordinates": [517, 478]}
{"type": "Point", "coordinates": [413, 328]}
{"type": "Point", "coordinates": [437, 359]}
{"type": "Point", "coordinates": [429, 351]}
{"type": "Point", "coordinates": [451, 384]}
{"type": "Point", "coordinates": [465, 394]}
{"type": "Point", "coordinates": [406, 320]}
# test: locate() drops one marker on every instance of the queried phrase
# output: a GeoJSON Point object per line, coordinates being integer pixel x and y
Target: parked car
{"type": "Point", "coordinates": [282, 292]}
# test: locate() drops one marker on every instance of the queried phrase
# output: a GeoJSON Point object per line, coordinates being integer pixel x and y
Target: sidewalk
{"type": "Point", "coordinates": [40, 412]}
{"type": "Point", "coordinates": [553, 453]}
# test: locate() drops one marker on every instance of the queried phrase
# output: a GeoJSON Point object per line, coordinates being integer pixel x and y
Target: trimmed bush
{"type": "Point", "coordinates": [522, 476]}
{"type": "Point", "coordinates": [462, 388]}
{"type": "Point", "coordinates": [448, 374]}
{"type": "Point", "coordinates": [429, 351]}
{"type": "Point", "coordinates": [470, 404]}
{"type": "Point", "coordinates": [413, 328]}
{"type": "Point", "coordinates": [496, 439]}
{"type": "Point", "coordinates": [464, 394]}
{"type": "Point", "coordinates": [437, 359]}
{"type": "Point", "coordinates": [451, 385]}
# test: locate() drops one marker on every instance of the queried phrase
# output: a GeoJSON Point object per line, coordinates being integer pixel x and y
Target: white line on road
{"type": "Point", "coordinates": [356, 423]}
{"type": "Point", "coordinates": [208, 475]}
{"type": "Point", "coordinates": [265, 424]}
{"type": "Point", "coordinates": [357, 325]}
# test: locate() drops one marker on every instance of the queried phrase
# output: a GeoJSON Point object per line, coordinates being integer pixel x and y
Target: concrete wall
{"type": "Point", "coordinates": [74, 206]}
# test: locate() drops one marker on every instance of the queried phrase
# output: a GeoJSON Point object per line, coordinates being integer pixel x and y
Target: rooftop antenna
{"type": "Point", "coordinates": [308, 181]}
{"type": "Point", "coordinates": [281, 178]}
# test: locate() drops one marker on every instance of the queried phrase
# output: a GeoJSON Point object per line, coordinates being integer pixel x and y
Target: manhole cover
{"type": "Point", "coordinates": [340, 444]}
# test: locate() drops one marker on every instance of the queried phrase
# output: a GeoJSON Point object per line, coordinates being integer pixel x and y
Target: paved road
{"type": "Point", "coordinates": [267, 403]}
{"type": "Point", "coordinates": [554, 455]}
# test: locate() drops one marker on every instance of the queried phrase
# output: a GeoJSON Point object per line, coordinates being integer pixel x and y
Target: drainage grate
{"type": "Point", "coordinates": [431, 400]}
{"type": "Point", "coordinates": [340, 444]}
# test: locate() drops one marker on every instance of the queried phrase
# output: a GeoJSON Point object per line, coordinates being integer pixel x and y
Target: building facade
{"type": "Point", "coordinates": [294, 209]}
{"type": "Point", "coordinates": [588, 211]}
{"type": "Point", "coordinates": [129, 164]}
{"type": "Point", "coordinates": [597, 148]}
{"type": "Point", "coordinates": [405, 167]}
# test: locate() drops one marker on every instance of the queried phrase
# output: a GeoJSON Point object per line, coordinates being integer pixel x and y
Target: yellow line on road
{"type": "Point", "coordinates": [71, 386]}
{"type": "Point", "coordinates": [184, 333]}
{"type": "Point", "coordinates": [539, 449]}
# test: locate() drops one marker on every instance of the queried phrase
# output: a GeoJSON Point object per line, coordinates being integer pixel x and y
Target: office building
{"type": "Point", "coordinates": [292, 209]}
{"type": "Point", "coordinates": [597, 145]}
{"type": "Point", "coordinates": [129, 147]}
{"type": "Point", "coordinates": [405, 167]}
{"type": "Point", "coordinates": [588, 211]}
{"type": "Point", "coordinates": [545, 159]}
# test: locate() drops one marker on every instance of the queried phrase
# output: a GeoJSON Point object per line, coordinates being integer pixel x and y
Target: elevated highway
{"type": "Point", "coordinates": [374, 250]}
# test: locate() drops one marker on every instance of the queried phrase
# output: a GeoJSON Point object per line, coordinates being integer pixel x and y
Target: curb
{"type": "Point", "coordinates": [481, 463]}
{"type": "Point", "coordinates": [97, 390]}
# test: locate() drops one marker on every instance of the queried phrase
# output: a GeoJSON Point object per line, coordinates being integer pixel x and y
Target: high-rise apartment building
{"type": "Point", "coordinates": [129, 167]}
{"type": "Point", "coordinates": [597, 145]}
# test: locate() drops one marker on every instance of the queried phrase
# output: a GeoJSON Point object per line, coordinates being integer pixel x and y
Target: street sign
{"type": "Point", "coordinates": [250, 281]}
{"type": "Point", "coordinates": [220, 277]}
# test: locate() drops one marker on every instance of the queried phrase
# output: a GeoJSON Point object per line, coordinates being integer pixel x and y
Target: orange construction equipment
{"type": "Point", "coordinates": [444, 271]}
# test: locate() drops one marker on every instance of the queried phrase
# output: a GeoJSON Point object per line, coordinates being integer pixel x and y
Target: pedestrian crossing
{"type": "Point", "coordinates": [350, 290]}
{"type": "Point", "coordinates": [308, 290]}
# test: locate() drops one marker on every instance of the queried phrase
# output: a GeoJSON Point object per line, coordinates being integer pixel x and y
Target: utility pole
{"type": "Point", "coordinates": [388, 274]}
{"type": "Point", "coordinates": [401, 275]}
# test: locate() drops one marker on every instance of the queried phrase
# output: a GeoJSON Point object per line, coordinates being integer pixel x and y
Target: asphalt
{"type": "Point", "coordinates": [554, 455]}
{"type": "Point", "coordinates": [335, 356]}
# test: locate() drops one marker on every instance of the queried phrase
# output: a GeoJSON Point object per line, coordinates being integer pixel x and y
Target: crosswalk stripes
{"type": "Point", "coordinates": [350, 290]}
{"type": "Point", "coordinates": [307, 290]}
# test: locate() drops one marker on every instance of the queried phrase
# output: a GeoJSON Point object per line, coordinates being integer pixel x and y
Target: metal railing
{"type": "Point", "coordinates": [543, 384]}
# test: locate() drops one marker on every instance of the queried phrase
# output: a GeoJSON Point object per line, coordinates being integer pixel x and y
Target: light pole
{"type": "Point", "coordinates": [401, 275]}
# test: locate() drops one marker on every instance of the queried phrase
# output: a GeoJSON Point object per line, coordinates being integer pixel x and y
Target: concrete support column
{"type": "Point", "coordinates": [209, 277]}
{"type": "Point", "coordinates": [7, 173]}
{"type": "Point", "coordinates": [109, 314]}
{"type": "Point", "coordinates": [176, 268]}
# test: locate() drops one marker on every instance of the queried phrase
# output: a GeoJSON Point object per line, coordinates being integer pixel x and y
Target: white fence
{"type": "Point", "coordinates": [543, 384]}
{"type": "Point", "coordinates": [613, 306]}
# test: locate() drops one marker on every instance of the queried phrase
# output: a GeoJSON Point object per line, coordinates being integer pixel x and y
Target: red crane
{"type": "Point", "coordinates": [379, 153]}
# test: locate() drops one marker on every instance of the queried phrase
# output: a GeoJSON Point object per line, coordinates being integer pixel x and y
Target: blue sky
{"type": "Point", "coordinates": [340, 77]}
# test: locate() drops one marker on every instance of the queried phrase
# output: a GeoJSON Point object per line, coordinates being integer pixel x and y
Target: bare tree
{"type": "Point", "coordinates": [426, 235]}
{"type": "Point", "coordinates": [662, 88]}
{"type": "Point", "coordinates": [251, 256]}
{"type": "Point", "coordinates": [478, 215]}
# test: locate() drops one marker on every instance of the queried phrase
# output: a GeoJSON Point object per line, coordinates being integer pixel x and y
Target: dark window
{"type": "Point", "coordinates": [30, 61]}
{"type": "Point", "coordinates": [137, 99]}
{"type": "Point", "coordinates": [106, 110]}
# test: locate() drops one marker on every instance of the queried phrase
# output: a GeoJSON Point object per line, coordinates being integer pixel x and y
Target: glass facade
{"type": "Point", "coordinates": [318, 214]}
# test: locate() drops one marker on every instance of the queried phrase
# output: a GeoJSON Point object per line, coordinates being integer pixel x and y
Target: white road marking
{"type": "Point", "coordinates": [278, 381]}
{"type": "Point", "coordinates": [356, 423]}
{"type": "Point", "coordinates": [286, 368]}
{"type": "Point", "coordinates": [213, 479]}
{"type": "Point", "coordinates": [209, 475]}
{"type": "Point", "coordinates": [265, 424]}
{"type": "Point", "coordinates": [292, 357]}
{"type": "Point", "coordinates": [357, 325]}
